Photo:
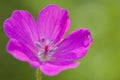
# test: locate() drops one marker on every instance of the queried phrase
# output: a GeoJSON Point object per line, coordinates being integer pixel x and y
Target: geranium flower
{"type": "Point", "coordinates": [42, 44]}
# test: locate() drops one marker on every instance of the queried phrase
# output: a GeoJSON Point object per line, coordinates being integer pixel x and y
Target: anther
{"type": "Point", "coordinates": [38, 44]}
{"type": "Point", "coordinates": [42, 40]}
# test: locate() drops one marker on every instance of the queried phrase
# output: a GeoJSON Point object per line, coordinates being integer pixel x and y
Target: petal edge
{"type": "Point", "coordinates": [53, 22]}
{"type": "Point", "coordinates": [19, 52]}
{"type": "Point", "coordinates": [52, 70]}
{"type": "Point", "coordinates": [73, 47]}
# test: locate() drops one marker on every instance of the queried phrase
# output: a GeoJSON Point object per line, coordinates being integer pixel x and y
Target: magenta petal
{"type": "Point", "coordinates": [21, 26]}
{"type": "Point", "coordinates": [52, 70]}
{"type": "Point", "coordinates": [21, 52]}
{"type": "Point", "coordinates": [53, 22]}
{"type": "Point", "coordinates": [74, 46]}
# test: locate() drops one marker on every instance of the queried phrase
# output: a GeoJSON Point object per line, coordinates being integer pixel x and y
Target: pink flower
{"type": "Point", "coordinates": [42, 44]}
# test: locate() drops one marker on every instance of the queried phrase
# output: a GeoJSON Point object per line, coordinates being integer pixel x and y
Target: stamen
{"type": "Point", "coordinates": [47, 42]}
{"type": "Point", "coordinates": [40, 53]}
{"type": "Point", "coordinates": [38, 44]}
{"type": "Point", "coordinates": [52, 50]}
{"type": "Point", "coordinates": [51, 42]}
{"type": "Point", "coordinates": [42, 39]}
{"type": "Point", "coordinates": [46, 49]}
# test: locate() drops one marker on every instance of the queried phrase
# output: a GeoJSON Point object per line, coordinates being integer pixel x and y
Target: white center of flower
{"type": "Point", "coordinates": [46, 49]}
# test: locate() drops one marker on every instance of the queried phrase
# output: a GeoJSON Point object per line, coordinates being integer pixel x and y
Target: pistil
{"type": "Point", "coordinates": [45, 49]}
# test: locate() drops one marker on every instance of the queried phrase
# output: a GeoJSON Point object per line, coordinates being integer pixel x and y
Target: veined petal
{"type": "Point", "coordinates": [52, 70]}
{"type": "Point", "coordinates": [23, 53]}
{"type": "Point", "coordinates": [21, 26]}
{"type": "Point", "coordinates": [53, 22]}
{"type": "Point", "coordinates": [73, 47]}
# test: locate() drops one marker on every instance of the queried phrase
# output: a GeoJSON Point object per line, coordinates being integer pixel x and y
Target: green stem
{"type": "Point", "coordinates": [38, 74]}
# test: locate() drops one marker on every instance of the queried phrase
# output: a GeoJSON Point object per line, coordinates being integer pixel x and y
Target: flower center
{"type": "Point", "coordinates": [45, 49]}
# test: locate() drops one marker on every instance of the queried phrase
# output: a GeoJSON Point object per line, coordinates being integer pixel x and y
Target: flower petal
{"type": "Point", "coordinates": [52, 70]}
{"type": "Point", "coordinates": [21, 26]}
{"type": "Point", "coordinates": [53, 22]}
{"type": "Point", "coordinates": [73, 47]}
{"type": "Point", "coordinates": [21, 52]}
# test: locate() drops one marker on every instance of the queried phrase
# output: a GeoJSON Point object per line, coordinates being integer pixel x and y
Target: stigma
{"type": "Point", "coordinates": [46, 49]}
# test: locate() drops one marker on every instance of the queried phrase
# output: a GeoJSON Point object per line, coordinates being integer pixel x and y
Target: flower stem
{"type": "Point", "coordinates": [38, 74]}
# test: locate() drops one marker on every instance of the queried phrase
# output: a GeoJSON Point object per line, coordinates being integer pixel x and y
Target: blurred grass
{"type": "Point", "coordinates": [103, 59]}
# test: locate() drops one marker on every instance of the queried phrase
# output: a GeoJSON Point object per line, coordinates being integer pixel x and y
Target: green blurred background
{"type": "Point", "coordinates": [103, 59]}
